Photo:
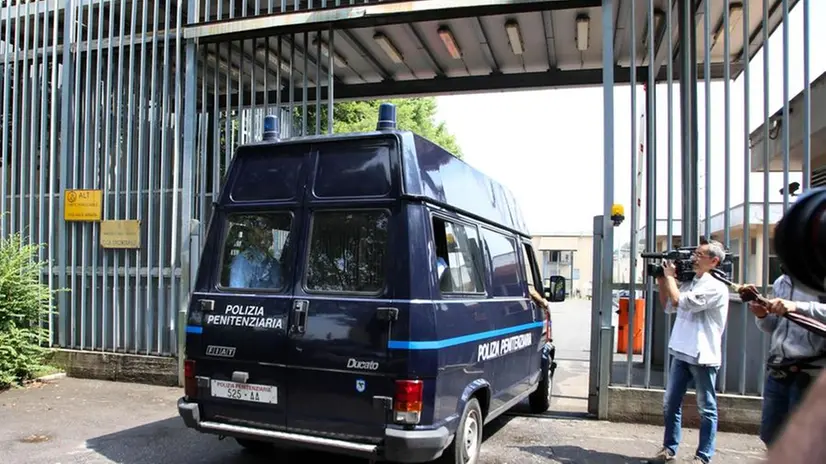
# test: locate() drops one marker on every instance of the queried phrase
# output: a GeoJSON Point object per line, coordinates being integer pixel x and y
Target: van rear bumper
{"type": "Point", "coordinates": [408, 446]}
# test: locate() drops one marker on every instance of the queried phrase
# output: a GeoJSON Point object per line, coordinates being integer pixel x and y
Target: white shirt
{"type": "Point", "coordinates": [702, 311]}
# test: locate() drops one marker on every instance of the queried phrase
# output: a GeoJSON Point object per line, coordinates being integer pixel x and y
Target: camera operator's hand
{"type": "Point", "coordinates": [669, 269]}
{"type": "Point", "coordinates": [780, 306]}
{"type": "Point", "coordinates": [758, 309]}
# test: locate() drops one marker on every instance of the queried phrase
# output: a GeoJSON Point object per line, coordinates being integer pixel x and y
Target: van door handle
{"type": "Point", "coordinates": [299, 324]}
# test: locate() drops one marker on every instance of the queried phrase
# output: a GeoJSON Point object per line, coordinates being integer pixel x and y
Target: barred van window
{"type": "Point", "coordinates": [256, 251]}
{"type": "Point", "coordinates": [348, 251]}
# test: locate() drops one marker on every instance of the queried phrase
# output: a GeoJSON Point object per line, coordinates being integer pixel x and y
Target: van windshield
{"type": "Point", "coordinates": [255, 254]}
{"type": "Point", "coordinates": [347, 252]}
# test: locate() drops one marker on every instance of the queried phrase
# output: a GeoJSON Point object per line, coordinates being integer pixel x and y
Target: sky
{"type": "Point", "coordinates": [547, 146]}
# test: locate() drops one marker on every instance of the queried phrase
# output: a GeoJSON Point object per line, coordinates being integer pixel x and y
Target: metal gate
{"type": "Point", "coordinates": [731, 149]}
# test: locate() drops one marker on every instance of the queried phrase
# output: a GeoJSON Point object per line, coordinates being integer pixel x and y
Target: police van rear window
{"type": "Point", "coordinates": [353, 170]}
{"type": "Point", "coordinates": [256, 251]}
{"type": "Point", "coordinates": [268, 175]}
{"type": "Point", "coordinates": [347, 252]}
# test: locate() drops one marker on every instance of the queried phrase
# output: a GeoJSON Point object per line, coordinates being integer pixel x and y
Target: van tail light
{"type": "Point", "coordinates": [407, 404]}
{"type": "Point", "coordinates": [190, 382]}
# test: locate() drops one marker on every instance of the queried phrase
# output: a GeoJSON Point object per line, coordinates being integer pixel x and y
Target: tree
{"type": "Point", "coordinates": [414, 114]}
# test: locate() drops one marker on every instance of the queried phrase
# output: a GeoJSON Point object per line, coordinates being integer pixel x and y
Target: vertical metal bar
{"type": "Point", "coordinates": [744, 253]}
{"type": "Point", "coordinates": [95, 176]}
{"type": "Point", "coordinates": [108, 312]}
{"type": "Point", "coordinates": [73, 157]}
{"type": "Point", "coordinates": [15, 130]}
{"type": "Point", "coordinates": [53, 157]}
{"type": "Point", "coordinates": [44, 235]}
{"type": "Point", "coordinates": [117, 334]}
{"type": "Point", "coordinates": [178, 320]}
{"type": "Point", "coordinates": [240, 96]}
{"type": "Point", "coordinates": [5, 135]}
{"type": "Point", "coordinates": [228, 123]}
{"type": "Point", "coordinates": [162, 338]}
{"type": "Point", "coordinates": [151, 216]}
{"type": "Point", "coordinates": [707, 81]}
{"type": "Point", "coordinates": [292, 83]}
{"type": "Point", "coordinates": [24, 122]}
{"type": "Point", "coordinates": [216, 130]}
{"type": "Point", "coordinates": [140, 309]}
{"type": "Point", "coordinates": [318, 82]}
{"type": "Point", "coordinates": [632, 287]}
{"type": "Point", "coordinates": [807, 100]}
{"type": "Point", "coordinates": [727, 166]}
{"type": "Point", "coordinates": [65, 143]}
{"type": "Point", "coordinates": [608, 182]}
{"type": "Point", "coordinates": [686, 29]}
{"type": "Point", "coordinates": [87, 178]}
{"type": "Point", "coordinates": [330, 80]}
{"type": "Point", "coordinates": [129, 307]}
{"type": "Point", "coordinates": [766, 210]}
{"type": "Point", "coordinates": [278, 108]}
{"type": "Point", "coordinates": [185, 176]}
{"type": "Point", "coordinates": [304, 86]}
{"type": "Point", "coordinates": [786, 120]}
{"type": "Point", "coordinates": [669, 163]}
{"type": "Point", "coordinates": [650, 189]}
{"type": "Point", "coordinates": [34, 150]}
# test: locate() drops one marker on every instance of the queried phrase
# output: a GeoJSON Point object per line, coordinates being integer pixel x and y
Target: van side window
{"type": "Point", "coordinates": [503, 263]}
{"type": "Point", "coordinates": [255, 251]}
{"type": "Point", "coordinates": [347, 251]}
{"type": "Point", "coordinates": [531, 273]}
{"type": "Point", "coordinates": [459, 260]}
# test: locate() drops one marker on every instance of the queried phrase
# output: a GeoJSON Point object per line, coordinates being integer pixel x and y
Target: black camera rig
{"type": "Point", "coordinates": [683, 260]}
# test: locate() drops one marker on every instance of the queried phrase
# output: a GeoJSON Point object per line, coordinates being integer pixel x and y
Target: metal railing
{"type": "Point", "coordinates": [715, 153]}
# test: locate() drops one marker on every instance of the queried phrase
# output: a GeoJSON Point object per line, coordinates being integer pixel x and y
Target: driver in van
{"type": "Point", "coordinates": [255, 265]}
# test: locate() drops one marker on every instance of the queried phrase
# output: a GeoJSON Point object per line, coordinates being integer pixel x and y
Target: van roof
{"type": "Point", "coordinates": [434, 175]}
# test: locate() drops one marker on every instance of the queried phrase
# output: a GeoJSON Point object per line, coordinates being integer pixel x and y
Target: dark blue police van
{"type": "Point", "coordinates": [365, 294]}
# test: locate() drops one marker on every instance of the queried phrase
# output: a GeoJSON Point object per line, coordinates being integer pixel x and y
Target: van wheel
{"type": "Point", "coordinates": [540, 400]}
{"type": "Point", "coordinates": [468, 440]}
{"type": "Point", "coordinates": [254, 446]}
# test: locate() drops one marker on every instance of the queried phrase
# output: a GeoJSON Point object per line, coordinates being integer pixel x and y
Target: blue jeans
{"type": "Point", "coordinates": [779, 400]}
{"type": "Point", "coordinates": [679, 377]}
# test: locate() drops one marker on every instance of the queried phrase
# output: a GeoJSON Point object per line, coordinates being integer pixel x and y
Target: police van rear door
{"type": "Point", "coordinates": [244, 320]}
{"type": "Point", "coordinates": [343, 314]}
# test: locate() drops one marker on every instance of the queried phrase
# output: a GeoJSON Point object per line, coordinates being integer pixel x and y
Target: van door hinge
{"type": "Point", "coordinates": [387, 314]}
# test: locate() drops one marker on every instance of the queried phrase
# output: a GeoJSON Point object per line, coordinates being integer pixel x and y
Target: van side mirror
{"type": "Point", "coordinates": [555, 292]}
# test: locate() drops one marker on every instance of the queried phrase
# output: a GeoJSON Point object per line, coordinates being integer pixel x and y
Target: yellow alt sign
{"type": "Point", "coordinates": [120, 234]}
{"type": "Point", "coordinates": [82, 205]}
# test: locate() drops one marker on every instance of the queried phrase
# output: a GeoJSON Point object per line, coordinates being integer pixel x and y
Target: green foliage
{"type": "Point", "coordinates": [414, 114]}
{"type": "Point", "coordinates": [24, 301]}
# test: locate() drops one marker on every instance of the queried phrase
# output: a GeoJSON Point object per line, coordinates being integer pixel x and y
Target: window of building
{"type": "Point", "coordinates": [504, 264]}
{"type": "Point", "coordinates": [256, 251]}
{"type": "Point", "coordinates": [348, 251]}
{"type": "Point", "coordinates": [459, 257]}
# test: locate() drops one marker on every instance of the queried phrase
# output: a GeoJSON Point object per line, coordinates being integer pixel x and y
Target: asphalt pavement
{"type": "Point", "coordinates": [82, 421]}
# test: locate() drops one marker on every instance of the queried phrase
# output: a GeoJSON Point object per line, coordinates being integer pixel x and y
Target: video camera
{"type": "Point", "coordinates": [683, 260]}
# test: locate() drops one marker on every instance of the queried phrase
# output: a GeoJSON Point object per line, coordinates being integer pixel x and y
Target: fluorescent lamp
{"type": "Point", "coordinates": [583, 23]}
{"type": "Point", "coordinates": [325, 50]}
{"type": "Point", "coordinates": [388, 47]}
{"type": "Point", "coordinates": [450, 42]}
{"type": "Point", "coordinates": [514, 36]}
{"type": "Point", "coordinates": [273, 60]}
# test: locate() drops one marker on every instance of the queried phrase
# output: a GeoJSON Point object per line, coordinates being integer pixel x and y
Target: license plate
{"type": "Point", "coordinates": [245, 392]}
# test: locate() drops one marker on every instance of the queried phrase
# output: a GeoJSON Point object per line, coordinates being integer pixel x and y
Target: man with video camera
{"type": "Point", "coordinates": [701, 308]}
{"type": "Point", "coordinates": [796, 355]}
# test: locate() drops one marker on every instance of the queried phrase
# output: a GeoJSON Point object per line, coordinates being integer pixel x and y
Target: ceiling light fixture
{"type": "Point", "coordinates": [450, 42]}
{"type": "Point", "coordinates": [514, 36]}
{"type": "Point", "coordinates": [388, 47]}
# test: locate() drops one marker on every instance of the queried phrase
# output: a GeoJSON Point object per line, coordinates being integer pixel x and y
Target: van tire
{"type": "Point", "coordinates": [254, 446]}
{"type": "Point", "coordinates": [540, 399]}
{"type": "Point", "coordinates": [464, 443]}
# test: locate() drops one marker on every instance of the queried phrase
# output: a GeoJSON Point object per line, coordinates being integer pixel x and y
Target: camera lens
{"type": "Point", "coordinates": [800, 239]}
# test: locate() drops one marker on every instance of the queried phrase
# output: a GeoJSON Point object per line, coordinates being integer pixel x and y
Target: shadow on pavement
{"type": "Point", "coordinates": [169, 440]}
{"type": "Point", "coordinates": [577, 455]}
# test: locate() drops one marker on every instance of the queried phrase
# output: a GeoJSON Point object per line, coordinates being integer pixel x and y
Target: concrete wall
{"type": "Point", "coordinates": [154, 370]}
{"type": "Point", "coordinates": [736, 413]}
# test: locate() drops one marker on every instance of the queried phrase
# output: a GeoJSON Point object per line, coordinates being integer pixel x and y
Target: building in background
{"type": "Point", "coordinates": [567, 255]}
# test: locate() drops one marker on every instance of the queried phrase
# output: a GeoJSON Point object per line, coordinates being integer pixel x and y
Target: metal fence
{"type": "Point", "coordinates": [93, 98]}
{"type": "Point", "coordinates": [722, 174]}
